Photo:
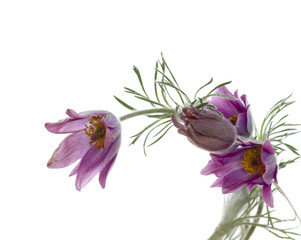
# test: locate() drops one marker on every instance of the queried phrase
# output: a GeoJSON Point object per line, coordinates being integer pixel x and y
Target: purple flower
{"type": "Point", "coordinates": [95, 141]}
{"type": "Point", "coordinates": [237, 111]}
{"type": "Point", "coordinates": [206, 130]}
{"type": "Point", "coordinates": [252, 163]}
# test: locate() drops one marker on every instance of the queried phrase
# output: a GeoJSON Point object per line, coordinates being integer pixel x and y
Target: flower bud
{"type": "Point", "coordinates": [205, 129]}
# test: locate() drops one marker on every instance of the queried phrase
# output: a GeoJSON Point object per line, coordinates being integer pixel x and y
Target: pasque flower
{"type": "Point", "coordinates": [236, 110]}
{"type": "Point", "coordinates": [252, 163]}
{"type": "Point", "coordinates": [206, 130]}
{"type": "Point", "coordinates": [94, 141]}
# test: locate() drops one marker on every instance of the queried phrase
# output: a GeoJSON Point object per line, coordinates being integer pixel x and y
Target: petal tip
{"type": "Point", "coordinates": [50, 163]}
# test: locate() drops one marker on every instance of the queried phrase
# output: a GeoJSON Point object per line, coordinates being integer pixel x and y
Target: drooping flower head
{"type": "Point", "coordinates": [237, 111]}
{"type": "Point", "coordinates": [94, 141]}
{"type": "Point", "coordinates": [206, 130]}
{"type": "Point", "coordinates": [252, 163]}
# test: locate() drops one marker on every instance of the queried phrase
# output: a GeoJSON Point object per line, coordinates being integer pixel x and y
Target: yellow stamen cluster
{"type": "Point", "coordinates": [96, 131]}
{"type": "Point", "coordinates": [233, 119]}
{"type": "Point", "coordinates": [252, 160]}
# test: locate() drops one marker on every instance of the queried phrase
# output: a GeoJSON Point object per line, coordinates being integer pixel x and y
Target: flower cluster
{"type": "Point", "coordinates": [236, 159]}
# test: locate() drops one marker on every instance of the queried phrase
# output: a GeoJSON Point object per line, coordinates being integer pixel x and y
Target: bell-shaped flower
{"type": "Point", "coordinates": [205, 129]}
{"type": "Point", "coordinates": [236, 110]}
{"type": "Point", "coordinates": [252, 163]}
{"type": "Point", "coordinates": [94, 141]}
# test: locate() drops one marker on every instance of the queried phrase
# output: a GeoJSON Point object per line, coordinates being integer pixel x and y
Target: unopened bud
{"type": "Point", "coordinates": [205, 129]}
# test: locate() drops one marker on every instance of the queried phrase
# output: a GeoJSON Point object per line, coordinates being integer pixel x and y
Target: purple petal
{"type": "Point", "coordinates": [110, 135]}
{"type": "Point", "coordinates": [69, 125]}
{"type": "Point", "coordinates": [104, 173]}
{"type": "Point", "coordinates": [242, 124]}
{"type": "Point", "coordinates": [212, 167]}
{"type": "Point", "coordinates": [94, 162]}
{"type": "Point", "coordinates": [218, 183]}
{"type": "Point", "coordinates": [267, 195]}
{"type": "Point", "coordinates": [250, 186]}
{"type": "Point", "coordinates": [235, 93]}
{"type": "Point", "coordinates": [108, 139]}
{"type": "Point", "coordinates": [249, 121]}
{"type": "Point", "coordinates": [221, 169]}
{"type": "Point", "coordinates": [234, 156]}
{"type": "Point", "coordinates": [267, 146]}
{"type": "Point", "coordinates": [71, 113]}
{"type": "Point", "coordinates": [88, 114]}
{"type": "Point", "coordinates": [244, 99]}
{"type": "Point", "coordinates": [227, 107]}
{"type": "Point", "coordinates": [87, 168]}
{"type": "Point", "coordinates": [74, 171]}
{"type": "Point", "coordinates": [111, 121]}
{"type": "Point", "coordinates": [72, 148]}
{"type": "Point", "coordinates": [269, 162]}
{"type": "Point", "coordinates": [236, 179]}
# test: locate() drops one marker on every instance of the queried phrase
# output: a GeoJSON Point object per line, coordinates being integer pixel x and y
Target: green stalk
{"type": "Point", "coordinates": [220, 232]}
{"type": "Point", "coordinates": [252, 229]}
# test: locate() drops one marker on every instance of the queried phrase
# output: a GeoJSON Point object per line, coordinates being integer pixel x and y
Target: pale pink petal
{"type": "Point", "coordinates": [69, 125]}
{"type": "Point", "coordinates": [70, 150]}
{"type": "Point", "coordinates": [88, 166]}
{"type": "Point", "coordinates": [71, 113]}
{"type": "Point", "coordinates": [109, 135]}
{"type": "Point", "coordinates": [104, 173]}
{"type": "Point", "coordinates": [94, 162]}
{"type": "Point", "coordinates": [74, 171]}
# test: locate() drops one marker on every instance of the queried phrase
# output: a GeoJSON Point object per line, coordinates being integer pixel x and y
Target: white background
{"type": "Point", "coordinates": [62, 54]}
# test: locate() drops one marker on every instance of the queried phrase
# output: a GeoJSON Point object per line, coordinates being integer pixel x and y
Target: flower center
{"type": "Point", "coordinates": [252, 160]}
{"type": "Point", "coordinates": [233, 119]}
{"type": "Point", "coordinates": [96, 131]}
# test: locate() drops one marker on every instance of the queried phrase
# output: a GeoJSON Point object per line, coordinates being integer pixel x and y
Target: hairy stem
{"type": "Point", "coordinates": [252, 229]}
{"type": "Point", "coordinates": [220, 231]}
{"type": "Point", "coordinates": [146, 112]}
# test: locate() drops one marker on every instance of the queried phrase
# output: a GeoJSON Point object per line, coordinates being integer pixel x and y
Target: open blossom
{"type": "Point", "coordinates": [94, 141]}
{"type": "Point", "coordinates": [253, 163]}
{"type": "Point", "coordinates": [237, 111]}
{"type": "Point", "coordinates": [206, 130]}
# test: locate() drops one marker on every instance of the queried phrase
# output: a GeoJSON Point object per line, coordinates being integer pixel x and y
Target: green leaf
{"type": "Point", "coordinates": [293, 149]}
{"type": "Point", "coordinates": [224, 96]}
{"type": "Point", "coordinates": [155, 84]}
{"type": "Point", "coordinates": [136, 70]}
{"type": "Point", "coordinates": [213, 109]}
{"type": "Point", "coordinates": [162, 135]}
{"type": "Point", "coordinates": [283, 164]}
{"type": "Point", "coordinates": [165, 63]}
{"type": "Point", "coordinates": [211, 80]}
{"type": "Point", "coordinates": [150, 101]}
{"type": "Point", "coordinates": [131, 91]}
{"type": "Point", "coordinates": [137, 136]}
{"type": "Point", "coordinates": [145, 140]}
{"type": "Point", "coordinates": [124, 104]}
{"type": "Point", "coordinates": [218, 86]}
{"type": "Point", "coordinates": [179, 90]}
